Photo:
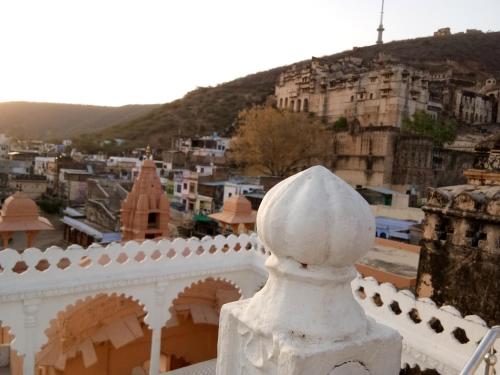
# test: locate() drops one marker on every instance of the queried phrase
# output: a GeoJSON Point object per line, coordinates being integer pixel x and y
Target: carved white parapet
{"type": "Point", "coordinates": [305, 320]}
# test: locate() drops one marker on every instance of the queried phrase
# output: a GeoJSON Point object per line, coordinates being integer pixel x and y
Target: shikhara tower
{"type": "Point", "coordinates": [145, 211]}
{"type": "Point", "coordinates": [381, 26]}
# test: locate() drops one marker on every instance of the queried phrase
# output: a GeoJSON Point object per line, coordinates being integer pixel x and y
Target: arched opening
{"type": "Point", "coordinates": [292, 105]}
{"type": "Point", "coordinates": [190, 336]}
{"type": "Point", "coordinates": [281, 103]}
{"type": "Point", "coordinates": [286, 102]}
{"type": "Point", "coordinates": [299, 105]}
{"type": "Point", "coordinates": [102, 335]}
{"type": "Point", "coordinates": [10, 362]}
{"type": "Point", "coordinates": [306, 105]}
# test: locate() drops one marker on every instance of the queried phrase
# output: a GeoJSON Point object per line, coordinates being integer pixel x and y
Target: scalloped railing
{"type": "Point", "coordinates": [33, 264]}
{"type": "Point", "coordinates": [433, 338]}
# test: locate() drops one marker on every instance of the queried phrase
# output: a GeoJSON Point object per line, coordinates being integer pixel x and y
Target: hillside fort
{"type": "Point", "coordinates": [375, 97]}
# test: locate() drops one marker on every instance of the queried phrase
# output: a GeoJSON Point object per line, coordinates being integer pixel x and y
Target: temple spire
{"type": "Point", "coordinates": [381, 26]}
{"type": "Point", "coordinates": [148, 153]}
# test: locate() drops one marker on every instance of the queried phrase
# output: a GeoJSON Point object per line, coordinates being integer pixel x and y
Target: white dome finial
{"type": "Point", "coordinates": [316, 218]}
{"type": "Point", "coordinates": [305, 319]}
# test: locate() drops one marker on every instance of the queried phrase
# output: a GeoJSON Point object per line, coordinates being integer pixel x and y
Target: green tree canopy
{"type": "Point", "coordinates": [423, 124]}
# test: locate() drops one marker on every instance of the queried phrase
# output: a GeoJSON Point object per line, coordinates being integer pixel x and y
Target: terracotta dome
{"type": "Point", "coordinates": [236, 210]}
{"type": "Point", "coordinates": [19, 205]}
{"type": "Point", "coordinates": [20, 213]}
{"type": "Point", "coordinates": [239, 204]}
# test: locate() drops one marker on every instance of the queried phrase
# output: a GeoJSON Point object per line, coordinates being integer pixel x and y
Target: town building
{"type": "Point", "coordinates": [41, 164]}
{"type": "Point", "coordinates": [241, 185]}
{"type": "Point", "coordinates": [123, 167]}
{"type": "Point", "coordinates": [103, 204]}
{"type": "Point", "coordinates": [34, 186]}
{"type": "Point", "coordinates": [186, 188]}
{"type": "Point", "coordinates": [54, 169]}
{"type": "Point", "coordinates": [72, 185]}
{"type": "Point", "coordinates": [4, 145]}
{"type": "Point", "coordinates": [21, 162]}
{"type": "Point", "coordinates": [213, 145]}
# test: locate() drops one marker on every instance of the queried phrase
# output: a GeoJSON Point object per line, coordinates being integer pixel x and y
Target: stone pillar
{"type": "Point", "coordinates": [5, 239]}
{"type": "Point", "coordinates": [154, 361]}
{"type": "Point", "coordinates": [30, 237]}
{"type": "Point", "coordinates": [30, 309]}
{"type": "Point", "coordinates": [305, 320]}
{"type": "Point", "coordinates": [156, 319]}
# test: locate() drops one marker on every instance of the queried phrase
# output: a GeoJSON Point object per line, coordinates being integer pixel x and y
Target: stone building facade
{"type": "Point", "coordinates": [378, 95]}
{"type": "Point", "coordinates": [418, 164]}
{"type": "Point", "coordinates": [103, 203]}
{"type": "Point", "coordinates": [375, 97]}
{"type": "Point", "coordinates": [461, 241]}
{"type": "Point", "coordinates": [472, 107]}
{"type": "Point", "coordinates": [365, 156]}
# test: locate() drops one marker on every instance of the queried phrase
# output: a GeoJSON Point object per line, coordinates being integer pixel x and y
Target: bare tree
{"type": "Point", "coordinates": [279, 143]}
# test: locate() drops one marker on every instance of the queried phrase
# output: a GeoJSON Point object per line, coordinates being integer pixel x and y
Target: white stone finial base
{"type": "Point", "coordinates": [243, 351]}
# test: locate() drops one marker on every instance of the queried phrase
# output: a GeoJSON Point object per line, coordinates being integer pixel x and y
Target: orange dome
{"type": "Point", "coordinates": [19, 204]}
{"type": "Point", "coordinates": [236, 210]}
{"type": "Point", "coordinates": [238, 204]}
{"type": "Point", "coordinates": [20, 213]}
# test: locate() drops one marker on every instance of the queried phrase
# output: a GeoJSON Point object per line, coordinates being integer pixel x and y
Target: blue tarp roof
{"type": "Point", "coordinates": [111, 237]}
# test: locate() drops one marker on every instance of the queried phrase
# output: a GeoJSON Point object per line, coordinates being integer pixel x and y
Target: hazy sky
{"type": "Point", "coordinates": [114, 52]}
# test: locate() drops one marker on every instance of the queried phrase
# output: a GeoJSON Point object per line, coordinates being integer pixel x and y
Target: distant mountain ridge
{"type": "Point", "coordinates": [214, 109]}
{"type": "Point", "coordinates": [57, 121]}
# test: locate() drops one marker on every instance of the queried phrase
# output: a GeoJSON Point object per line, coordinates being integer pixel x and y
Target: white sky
{"type": "Point", "coordinates": [114, 52]}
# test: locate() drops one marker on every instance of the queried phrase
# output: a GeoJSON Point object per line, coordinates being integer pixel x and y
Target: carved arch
{"type": "Point", "coordinates": [79, 325]}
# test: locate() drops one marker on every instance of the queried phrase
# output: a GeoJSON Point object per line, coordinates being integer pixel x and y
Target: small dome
{"type": "Point", "coordinates": [19, 204]}
{"type": "Point", "coordinates": [238, 204]}
{"type": "Point", "coordinates": [236, 210]}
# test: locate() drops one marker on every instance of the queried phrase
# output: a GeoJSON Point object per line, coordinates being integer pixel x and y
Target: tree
{"type": "Point", "coordinates": [341, 124]}
{"type": "Point", "coordinates": [279, 143]}
{"type": "Point", "coordinates": [423, 124]}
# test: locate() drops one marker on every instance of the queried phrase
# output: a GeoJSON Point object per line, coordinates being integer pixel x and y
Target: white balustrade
{"type": "Point", "coordinates": [433, 337]}
{"type": "Point", "coordinates": [153, 273]}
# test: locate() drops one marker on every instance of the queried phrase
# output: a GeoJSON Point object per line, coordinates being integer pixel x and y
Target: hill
{"type": "Point", "coordinates": [50, 120]}
{"type": "Point", "coordinates": [214, 109]}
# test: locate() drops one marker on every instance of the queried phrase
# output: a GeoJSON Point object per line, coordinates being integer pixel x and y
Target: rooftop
{"type": "Point", "coordinates": [312, 227]}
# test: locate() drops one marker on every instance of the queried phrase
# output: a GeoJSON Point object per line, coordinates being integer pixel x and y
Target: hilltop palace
{"type": "Point", "coordinates": [375, 97]}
